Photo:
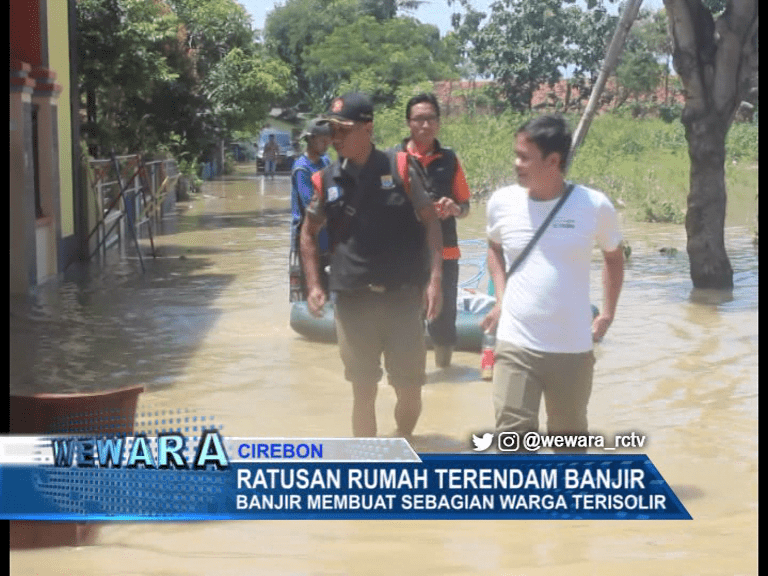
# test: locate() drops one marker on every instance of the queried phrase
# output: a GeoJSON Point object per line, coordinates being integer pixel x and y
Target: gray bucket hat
{"type": "Point", "coordinates": [316, 127]}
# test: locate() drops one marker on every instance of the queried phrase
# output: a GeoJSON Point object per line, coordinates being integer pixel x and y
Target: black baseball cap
{"type": "Point", "coordinates": [316, 127]}
{"type": "Point", "coordinates": [349, 108]}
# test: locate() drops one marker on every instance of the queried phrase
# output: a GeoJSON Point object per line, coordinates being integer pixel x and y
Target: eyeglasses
{"type": "Point", "coordinates": [423, 119]}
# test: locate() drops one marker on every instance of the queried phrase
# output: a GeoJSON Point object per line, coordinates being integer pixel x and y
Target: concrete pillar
{"type": "Point", "coordinates": [23, 264]}
{"type": "Point", "coordinates": [48, 226]}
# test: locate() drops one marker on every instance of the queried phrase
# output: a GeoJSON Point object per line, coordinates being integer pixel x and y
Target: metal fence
{"type": "Point", "coordinates": [130, 198]}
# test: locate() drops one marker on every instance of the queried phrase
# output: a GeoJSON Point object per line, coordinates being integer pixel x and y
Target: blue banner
{"type": "Point", "coordinates": [247, 479]}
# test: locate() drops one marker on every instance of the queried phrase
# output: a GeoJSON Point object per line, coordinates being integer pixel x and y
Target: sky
{"type": "Point", "coordinates": [435, 12]}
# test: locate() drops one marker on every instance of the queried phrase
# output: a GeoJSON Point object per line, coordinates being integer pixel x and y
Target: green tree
{"type": "Point", "coordinates": [235, 82]}
{"type": "Point", "coordinates": [123, 48]}
{"type": "Point", "coordinates": [241, 88]}
{"type": "Point", "coordinates": [524, 44]}
{"type": "Point", "coordinates": [652, 30]}
{"type": "Point", "coordinates": [589, 32]}
{"type": "Point", "coordinates": [292, 28]}
{"type": "Point", "coordinates": [212, 28]}
{"type": "Point", "coordinates": [180, 75]}
{"type": "Point", "coordinates": [646, 57]}
{"type": "Point", "coordinates": [388, 9]}
{"type": "Point", "coordinates": [637, 73]}
{"type": "Point", "coordinates": [378, 57]}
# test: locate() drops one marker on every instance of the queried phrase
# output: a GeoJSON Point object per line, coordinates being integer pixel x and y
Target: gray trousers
{"type": "Point", "coordinates": [522, 376]}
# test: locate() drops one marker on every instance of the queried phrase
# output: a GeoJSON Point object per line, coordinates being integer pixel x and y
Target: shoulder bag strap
{"type": "Point", "coordinates": [540, 231]}
{"type": "Point", "coordinates": [418, 169]}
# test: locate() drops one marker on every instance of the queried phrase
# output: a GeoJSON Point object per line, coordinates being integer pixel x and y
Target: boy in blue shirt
{"type": "Point", "coordinates": [318, 138]}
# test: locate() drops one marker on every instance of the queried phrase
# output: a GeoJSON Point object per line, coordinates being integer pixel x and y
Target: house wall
{"type": "Point", "coordinates": [21, 215]}
{"type": "Point", "coordinates": [58, 58]}
{"type": "Point", "coordinates": [69, 235]}
{"type": "Point", "coordinates": [25, 33]}
{"type": "Point", "coordinates": [39, 49]}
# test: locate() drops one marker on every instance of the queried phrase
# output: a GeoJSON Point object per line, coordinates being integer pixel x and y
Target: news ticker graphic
{"type": "Point", "coordinates": [175, 478]}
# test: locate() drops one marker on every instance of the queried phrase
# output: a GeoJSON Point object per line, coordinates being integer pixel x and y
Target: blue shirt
{"type": "Point", "coordinates": [301, 194]}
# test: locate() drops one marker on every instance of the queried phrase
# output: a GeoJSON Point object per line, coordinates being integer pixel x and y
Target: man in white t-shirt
{"type": "Point", "coordinates": [542, 317]}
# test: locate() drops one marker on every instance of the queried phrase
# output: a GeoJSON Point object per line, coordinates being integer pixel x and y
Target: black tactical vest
{"type": "Point", "coordinates": [440, 173]}
{"type": "Point", "coordinates": [374, 233]}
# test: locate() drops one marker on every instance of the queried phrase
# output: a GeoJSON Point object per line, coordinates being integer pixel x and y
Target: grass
{"type": "Point", "coordinates": [641, 164]}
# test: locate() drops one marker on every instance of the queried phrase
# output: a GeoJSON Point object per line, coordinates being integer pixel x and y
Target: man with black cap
{"type": "Point", "coordinates": [386, 264]}
{"type": "Point", "coordinates": [317, 135]}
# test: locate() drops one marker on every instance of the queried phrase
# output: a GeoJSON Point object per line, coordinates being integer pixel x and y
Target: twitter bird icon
{"type": "Point", "coordinates": [482, 443]}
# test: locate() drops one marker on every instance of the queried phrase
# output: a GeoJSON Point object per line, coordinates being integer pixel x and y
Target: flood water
{"type": "Point", "coordinates": [206, 328]}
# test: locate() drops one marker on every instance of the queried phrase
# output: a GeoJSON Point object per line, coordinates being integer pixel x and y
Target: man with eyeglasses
{"type": "Point", "coordinates": [449, 191]}
{"type": "Point", "coordinates": [386, 265]}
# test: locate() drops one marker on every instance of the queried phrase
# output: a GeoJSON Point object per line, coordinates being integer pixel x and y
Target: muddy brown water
{"type": "Point", "coordinates": [206, 328]}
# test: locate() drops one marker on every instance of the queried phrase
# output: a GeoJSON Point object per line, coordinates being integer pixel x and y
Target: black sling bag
{"type": "Point", "coordinates": [540, 231]}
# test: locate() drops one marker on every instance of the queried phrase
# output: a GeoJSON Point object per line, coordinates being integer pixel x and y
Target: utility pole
{"type": "Point", "coordinates": [612, 55]}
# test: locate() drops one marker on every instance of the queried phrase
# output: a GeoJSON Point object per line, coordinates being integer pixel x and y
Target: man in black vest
{"type": "Point", "coordinates": [449, 190]}
{"type": "Point", "coordinates": [386, 265]}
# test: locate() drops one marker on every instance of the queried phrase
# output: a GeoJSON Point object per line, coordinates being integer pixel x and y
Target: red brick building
{"type": "Point", "coordinates": [459, 96]}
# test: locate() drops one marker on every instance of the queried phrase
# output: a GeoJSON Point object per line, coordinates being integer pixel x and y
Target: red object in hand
{"type": "Point", "coordinates": [487, 356]}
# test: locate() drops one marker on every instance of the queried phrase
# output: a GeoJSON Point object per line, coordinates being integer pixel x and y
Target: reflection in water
{"type": "Point", "coordinates": [206, 328]}
{"type": "Point", "coordinates": [711, 297]}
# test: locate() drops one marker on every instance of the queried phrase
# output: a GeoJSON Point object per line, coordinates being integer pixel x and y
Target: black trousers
{"type": "Point", "coordinates": [442, 329]}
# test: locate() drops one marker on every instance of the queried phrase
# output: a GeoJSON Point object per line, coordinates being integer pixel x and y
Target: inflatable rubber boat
{"type": "Point", "coordinates": [472, 304]}
{"type": "Point", "coordinates": [471, 309]}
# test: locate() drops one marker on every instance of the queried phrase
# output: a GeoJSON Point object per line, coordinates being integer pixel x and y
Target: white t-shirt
{"type": "Point", "coordinates": [546, 303]}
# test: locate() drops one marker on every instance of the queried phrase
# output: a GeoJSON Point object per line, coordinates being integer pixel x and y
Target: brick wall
{"type": "Point", "coordinates": [456, 96]}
